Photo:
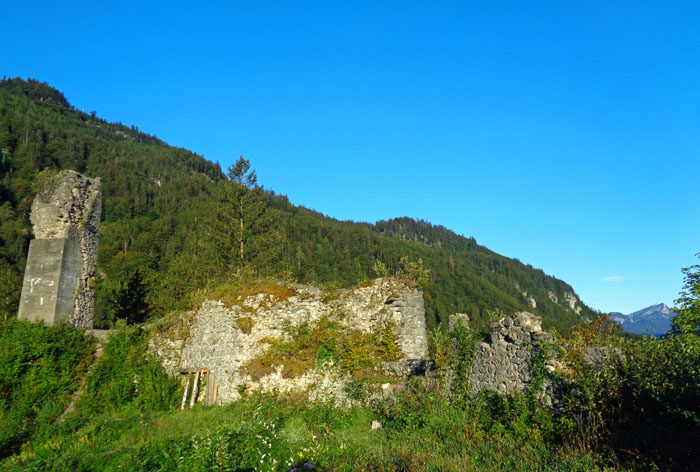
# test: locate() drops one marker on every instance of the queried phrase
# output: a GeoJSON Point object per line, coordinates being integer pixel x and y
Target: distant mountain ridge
{"type": "Point", "coordinates": [652, 320]}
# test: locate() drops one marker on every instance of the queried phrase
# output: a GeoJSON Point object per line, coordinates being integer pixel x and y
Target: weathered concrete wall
{"type": "Point", "coordinates": [504, 363]}
{"type": "Point", "coordinates": [46, 294]}
{"type": "Point", "coordinates": [62, 259]}
{"type": "Point", "coordinates": [212, 337]}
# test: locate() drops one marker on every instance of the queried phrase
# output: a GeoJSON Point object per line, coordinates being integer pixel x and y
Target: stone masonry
{"type": "Point", "coordinates": [409, 308]}
{"type": "Point", "coordinates": [213, 337]}
{"type": "Point", "coordinates": [503, 364]}
{"type": "Point", "coordinates": [62, 260]}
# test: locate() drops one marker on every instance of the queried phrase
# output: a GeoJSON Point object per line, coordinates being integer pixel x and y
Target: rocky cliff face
{"type": "Point", "coordinates": [225, 339]}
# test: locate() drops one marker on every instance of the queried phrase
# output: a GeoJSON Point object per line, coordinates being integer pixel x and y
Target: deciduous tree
{"type": "Point", "coordinates": [688, 318]}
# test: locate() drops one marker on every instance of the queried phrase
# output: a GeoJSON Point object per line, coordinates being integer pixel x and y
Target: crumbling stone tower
{"type": "Point", "coordinates": [62, 260]}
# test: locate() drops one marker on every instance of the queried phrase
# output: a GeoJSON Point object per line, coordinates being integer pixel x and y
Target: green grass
{"type": "Point", "coordinates": [267, 433]}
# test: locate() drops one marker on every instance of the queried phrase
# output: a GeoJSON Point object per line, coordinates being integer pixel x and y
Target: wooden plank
{"type": "Point", "coordinates": [195, 389]}
{"type": "Point", "coordinates": [206, 392]}
{"type": "Point", "coordinates": [184, 397]}
{"type": "Point", "coordinates": [193, 370]}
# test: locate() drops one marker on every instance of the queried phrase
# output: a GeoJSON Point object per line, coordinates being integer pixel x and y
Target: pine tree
{"type": "Point", "coordinates": [243, 180]}
{"type": "Point", "coordinates": [254, 220]}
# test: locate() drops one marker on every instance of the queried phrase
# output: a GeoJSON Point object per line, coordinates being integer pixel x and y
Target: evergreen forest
{"type": "Point", "coordinates": [175, 226]}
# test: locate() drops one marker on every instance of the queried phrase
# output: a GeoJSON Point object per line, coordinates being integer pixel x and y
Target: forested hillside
{"type": "Point", "coordinates": [175, 226]}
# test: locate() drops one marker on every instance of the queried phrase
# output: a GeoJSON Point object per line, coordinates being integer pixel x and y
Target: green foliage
{"type": "Point", "coordinates": [687, 319]}
{"type": "Point", "coordinates": [464, 350]}
{"type": "Point", "coordinates": [663, 376]}
{"type": "Point", "coordinates": [248, 213]}
{"type": "Point", "coordinates": [123, 298]}
{"type": "Point", "coordinates": [127, 375]}
{"type": "Point", "coordinates": [413, 273]}
{"type": "Point", "coordinates": [440, 347]}
{"type": "Point", "coordinates": [241, 174]}
{"type": "Point", "coordinates": [380, 269]}
{"type": "Point", "coordinates": [14, 242]}
{"type": "Point", "coordinates": [35, 90]}
{"type": "Point", "coordinates": [643, 397]}
{"type": "Point", "coordinates": [39, 368]}
{"type": "Point", "coordinates": [309, 346]}
{"type": "Point", "coordinates": [424, 426]}
{"type": "Point", "coordinates": [171, 226]}
{"type": "Point", "coordinates": [421, 432]}
{"type": "Point", "coordinates": [45, 183]}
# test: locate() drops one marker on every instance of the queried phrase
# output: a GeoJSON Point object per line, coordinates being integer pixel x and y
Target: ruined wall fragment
{"type": "Point", "coordinates": [62, 259]}
{"type": "Point", "coordinates": [505, 363]}
{"type": "Point", "coordinates": [211, 336]}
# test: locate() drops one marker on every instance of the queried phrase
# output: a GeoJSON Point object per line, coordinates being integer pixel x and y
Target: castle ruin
{"type": "Point", "coordinates": [62, 260]}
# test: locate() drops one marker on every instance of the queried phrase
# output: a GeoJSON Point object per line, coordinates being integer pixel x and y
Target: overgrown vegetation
{"type": "Point", "coordinates": [39, 368]}
{"type": "Point", "coordinates": [234, 292]}
{"type": "Point", "coordinates": [643, 400]}
{"type": "Point", "coordinates": [687, 319]}
{"type": "Point", "coordinates": [638, 409]}
{"type": "Point", "coordinates": [422, 431]}
{"type": "Point", "coordinates": [308, 346]}
{"type": "Point", "coordinates": [128, 375]}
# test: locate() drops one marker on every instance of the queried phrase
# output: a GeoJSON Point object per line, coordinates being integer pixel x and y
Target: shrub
{"type": "Point", "coordinates": [649, 385]}
{"type": "Point", "coordinates": [39, 367]}
{"type": "Point", "coordinates": [413, 273]}
{"type": "Point", "coordinates": [463, 351]}
{"type": "Point", "coordinates": [440, 347]}
{"type": "Point", "coordinates": [380, 269]}
{"type": "Point", "coordinates": [127, 374]}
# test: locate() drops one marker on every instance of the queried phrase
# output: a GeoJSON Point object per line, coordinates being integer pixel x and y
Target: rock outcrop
{"type": "Point", "coordinates": [62, 260]}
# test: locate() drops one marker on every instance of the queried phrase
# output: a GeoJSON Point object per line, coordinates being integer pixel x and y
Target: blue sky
{"type": "Point", "coordinates": [566, 134]}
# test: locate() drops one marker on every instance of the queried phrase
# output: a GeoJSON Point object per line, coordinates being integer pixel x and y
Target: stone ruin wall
{"type": "Point", "coordinates": [504, 363]}
{"type": "Point", "coordinates": [62, 259]}
{"type": "Point", "coordinates": [211, 337]}
{"type": "Point", "coordinates": [409, 308]}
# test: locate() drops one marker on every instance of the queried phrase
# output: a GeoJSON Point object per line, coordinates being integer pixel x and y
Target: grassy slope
{"type": "Point", "coordinates": [263, 433]}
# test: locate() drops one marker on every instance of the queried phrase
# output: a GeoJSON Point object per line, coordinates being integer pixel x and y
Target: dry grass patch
{"type": "Point", "coordinates": [365, 283]}
{"type": "Point", "coordinates": [235, 293]}
{"type": "Point", "coordinates": [245, 324]}
{"type": "Point", "coordinates": [174, 326]}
